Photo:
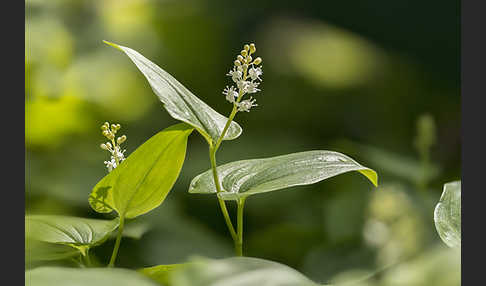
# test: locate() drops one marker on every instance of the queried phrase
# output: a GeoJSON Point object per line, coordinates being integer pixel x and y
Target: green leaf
{"type": "Point", "coordinates": [447, 214]}
{"type": "Point", "coordinates": [180, 102]}
{"type": "Point", "coordinates": [48, 276]}
{"type": "Point", "coordinates": [160, 273]}
{"type": "Point", "coordinates": [80, 233]}
{"type": "Point", "coordinates": [247, 177]}
{"type": "Point", "coordinates": [141, 182]}
{"type": "Point", "coordinates": [42, 251]}
{"type": "Point", "coordinates": [237, 271]}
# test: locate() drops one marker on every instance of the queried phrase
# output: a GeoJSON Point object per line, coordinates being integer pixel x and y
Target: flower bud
{"type": "Point", "coordinates": [118, 126]}
{"type": "Point", "coordinates": [248, 59]}
{"type": "Point", "coordinates": [257, 61]}
{"type": "Point", "coordinates": [103, 146]}
{"type": "Point", "coordinates": [237, 63]}
{"type": "Point", "coordinates": [121, 139]}
{"type": "Point", "coordinates": [108, 144]}
{"type": "Point", "coordinates": [106, 133]}
{"type": "Point", "coordinates": [240, 58]}
{"type": "Point", "coordinates": [252, 48]}
{"type": "Point", "coordinates": [243, 53]}
{"type": "Point", "coordinates": [246, 47]}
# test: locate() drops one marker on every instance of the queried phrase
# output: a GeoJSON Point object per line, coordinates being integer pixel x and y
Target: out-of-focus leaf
{"type": "Point", "coordinates": [398, 165]}
{"type": "Point", "coordinates": [180, 102]}
{"type": "Point", "coordinates": [437, 265]}
{"type": "Point", "coordinates": [141, 182]}
{"type": "Point", "coordinates": [247, 177]}
{"type": "Point", "coordinates": [48, 276]}
{"type": "Point", "coordinates": [160, 273]}
{"type": "Point", "coordinates": [80, 233]}
{"type": "Point", "coordinates": [237, 271]}
{"type": "Point", "coordinates": [447, 214]}
{"type": "Point", "coordinates": [49, 122]}
{"type": "Point", "coordinates": [135, 229]}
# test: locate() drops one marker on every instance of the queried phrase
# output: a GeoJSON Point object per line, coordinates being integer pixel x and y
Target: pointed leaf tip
{"type": "Point", "coordinates": [370, 175]}
{"type": "Point", "coordinates": [113, 45]}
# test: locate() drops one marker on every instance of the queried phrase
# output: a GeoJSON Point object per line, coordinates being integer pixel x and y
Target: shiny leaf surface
{"type": "Point", "coordinates": [248, 177]}
{"type": "Point", "coordinates": [447, 214]}
{"type": "Point", "coordinates": [179, 101]}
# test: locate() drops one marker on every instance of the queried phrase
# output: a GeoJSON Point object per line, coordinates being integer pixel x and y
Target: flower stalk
{"type": "Point", "coordinates": [245, 74]}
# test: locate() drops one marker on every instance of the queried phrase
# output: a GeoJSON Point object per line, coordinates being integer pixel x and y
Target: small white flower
{"type": "Point", "coordinates": [110, 164]}
{"type": "Point", "coordinates": [235, 74]}
{"type": "Point", "coordinates": [117, 155]}
{"type": "Point", "coordinates": [231, 94]}
{"type": "Point", "coordinates": [247, 104]}
{"type": "Point", "coordinates": [243, 85]}
{"type": "Point", "coordinates": [255, 73]}
{"type": "Point", "coordinates": [252, 87]}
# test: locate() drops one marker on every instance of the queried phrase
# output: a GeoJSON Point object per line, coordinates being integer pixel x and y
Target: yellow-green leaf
{"type": "Point", "coordinates": [141, 182]}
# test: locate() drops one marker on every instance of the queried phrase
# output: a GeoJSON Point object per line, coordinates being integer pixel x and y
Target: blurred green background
{"type": "Point", "coordinates": [377, 80]}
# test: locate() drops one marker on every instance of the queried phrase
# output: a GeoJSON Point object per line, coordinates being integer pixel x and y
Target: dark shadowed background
{"type": "Point", "coordinates": [377, 80]}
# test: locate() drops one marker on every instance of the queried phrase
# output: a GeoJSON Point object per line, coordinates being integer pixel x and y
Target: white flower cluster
{"type": "Point", "coordinates": [117, 155]}
{"type": "Point", "coordinates": [245, 74]}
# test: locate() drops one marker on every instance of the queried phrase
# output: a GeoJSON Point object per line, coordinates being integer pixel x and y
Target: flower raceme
{"type": "Point", "coordinates": [117, 155]}
{"type": "Point", "coordinates": [245, 74]}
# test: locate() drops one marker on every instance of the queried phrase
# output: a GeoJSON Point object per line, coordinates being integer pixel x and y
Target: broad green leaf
{"type": "Point", "coordinates": [42, 251]}
{"type": "Point", "coordinates": [247, 177]}
{"type": "Point", "coordinates": [80, 233]}
{"type": "Point", "coordinates": [49, 276]}
{"type": "Point", "coordinates": [237, 271]}
{"type": "Point", "coordinates": [447, 214]}
{"type": "Point", "coordinates": [180, 102]}
{"type": "Point", "coordinates": [141, 182]}
{"type": "Point", "coordinates": [160, 273]}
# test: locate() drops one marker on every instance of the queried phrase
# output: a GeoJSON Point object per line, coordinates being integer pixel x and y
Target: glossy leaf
{"type": "Point", "coordinates": [80, 233]}
{"type": "Point", "coordinates": [49, 276]}
{"type": "Point", "coordinates": [141, 182]}
{"type": "Point", "coordinates": [237, 271]}
{"type": "Point", "coordinates": [180, 102]}
{"type": "Point", "coordinates": [247, 177]}
{"type": "Point", "coordinates": [447, 214]}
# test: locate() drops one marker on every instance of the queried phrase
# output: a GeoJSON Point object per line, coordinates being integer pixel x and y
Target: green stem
{"type": "Point", "coordinates": [117, 242]}
{"type": "Point", "coordinates": [237, 238]}
{"type": "Point", "coordinates": [239, 241]}
{"type": "Point", "coordinates": [228, 123]}
{"type": "Point", "coordinates": [222, 204]}
{"type": "Point", "coordinates": [87, 259]}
